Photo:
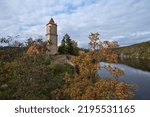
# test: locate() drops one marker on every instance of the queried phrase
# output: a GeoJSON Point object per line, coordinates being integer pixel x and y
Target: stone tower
{"type": "Point", "coordinates": [51, 37]}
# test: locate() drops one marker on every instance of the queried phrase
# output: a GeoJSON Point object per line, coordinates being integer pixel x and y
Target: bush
{"type": "Point", "coordinates": [30, 77]}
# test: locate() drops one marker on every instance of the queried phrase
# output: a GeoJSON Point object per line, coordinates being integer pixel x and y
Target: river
{"type": "Point", "coordinates": [137, 71]}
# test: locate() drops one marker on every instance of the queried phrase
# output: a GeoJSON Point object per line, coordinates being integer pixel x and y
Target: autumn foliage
{"type": "Point", "coordinates": [37, 75]}
{"type": "Point", "coordinates": [86, 83]}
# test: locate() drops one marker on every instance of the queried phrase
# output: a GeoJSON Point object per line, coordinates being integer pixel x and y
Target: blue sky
{"type": "Point", "coordinates": [125, 21]}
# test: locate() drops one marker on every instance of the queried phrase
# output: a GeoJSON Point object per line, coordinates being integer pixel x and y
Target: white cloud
{"type": "Point", "coordinates": [125, 21]}
{"type": "Point", "coordinates": [137, 34]}
{"type": "Point", "coordinates": [118, 37]}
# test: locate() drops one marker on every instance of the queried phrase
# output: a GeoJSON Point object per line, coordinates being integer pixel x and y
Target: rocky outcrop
{"type": "Point", "coordinates": [62, 59]}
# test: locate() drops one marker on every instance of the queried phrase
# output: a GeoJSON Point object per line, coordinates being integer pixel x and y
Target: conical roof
{"type": "Point", "coordinates": [51, 21]}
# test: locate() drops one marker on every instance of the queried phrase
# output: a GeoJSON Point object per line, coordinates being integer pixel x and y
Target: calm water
{"type": "Point", "coordinates": [136, 72]}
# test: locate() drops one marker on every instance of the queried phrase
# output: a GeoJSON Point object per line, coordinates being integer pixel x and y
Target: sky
{"type": "Point", "coordinates": [124, 21]}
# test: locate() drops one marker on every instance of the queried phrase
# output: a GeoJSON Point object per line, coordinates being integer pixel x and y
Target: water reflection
{"type": "Point", "coordinates": [143, 64]}
{"type": "Point", "coordinates": [136, 74]}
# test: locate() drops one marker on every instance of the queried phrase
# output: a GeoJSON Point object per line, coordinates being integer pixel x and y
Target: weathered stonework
{"type": "Point", "coordinates": [51, 37]}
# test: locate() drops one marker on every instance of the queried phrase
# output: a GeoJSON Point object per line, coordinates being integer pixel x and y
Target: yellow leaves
{"type": "Point", "coordinates": [86, 84]}
{"type": "Point", "coordinates": [67, 78]}
{"type": "Point", "coordinates": [121, 91]}
{"type": "Point", "coordinates": [94, 37]}
{"type": "Point", "coordinates": [116, 72]}
{"type": "Point", "coordinates": [94, 41]}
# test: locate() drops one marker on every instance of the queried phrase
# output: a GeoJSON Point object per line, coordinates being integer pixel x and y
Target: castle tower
{"type": "Point", "coordinates": [51, 37]}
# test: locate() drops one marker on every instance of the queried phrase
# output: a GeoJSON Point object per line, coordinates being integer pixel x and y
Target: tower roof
{"type": "Point", "coordinates": [51, 21]}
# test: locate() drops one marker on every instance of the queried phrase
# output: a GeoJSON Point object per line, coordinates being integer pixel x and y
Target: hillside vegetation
{"type": "Point", "coordinates": [140, 50]}
{"type": "Point", "coordinates": [30, 77]}
{"type": "Point", "coordinates": [38, 75]}
{"type": "Point", "coordinates": [10, 53]}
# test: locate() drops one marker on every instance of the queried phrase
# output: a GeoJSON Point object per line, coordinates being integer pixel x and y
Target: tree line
{"type": "Point", "coordinates": [68, 45]}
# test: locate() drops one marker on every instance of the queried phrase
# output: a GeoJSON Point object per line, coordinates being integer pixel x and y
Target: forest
{"type": "Point", "coordinates": [139, 50]}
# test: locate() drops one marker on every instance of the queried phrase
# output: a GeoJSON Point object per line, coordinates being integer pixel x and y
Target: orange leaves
{"type": "Point", "coordinates": [103, 49]}
{"type": "Point", "coordinates": [94, 41]}
{"type": "Point", "coordinates": [94, 37]}
{"type": "Point", "coordinates": [122, 92]}
{"type": "Point", "coordinates": [86, 83]}
{"type": "Point", "coordinates": [116, 72]}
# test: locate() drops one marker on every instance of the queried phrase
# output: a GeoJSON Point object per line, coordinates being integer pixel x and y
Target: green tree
{"type": "Point", "coordinates": [68, 46]}
{"type": "Point", "coordinates": [62, 48]}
